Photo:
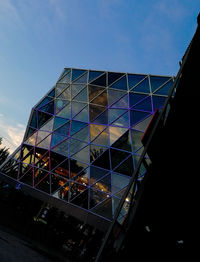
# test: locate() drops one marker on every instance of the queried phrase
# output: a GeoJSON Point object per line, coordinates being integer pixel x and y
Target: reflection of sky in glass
{"type": "Point", "coordinates": [90, 131]}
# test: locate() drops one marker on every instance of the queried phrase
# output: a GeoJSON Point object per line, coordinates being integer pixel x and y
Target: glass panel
{"type": "Point", "coordinates": [82, 79]}
{"type": "Point", "coordinates": [83, 115]}
{"type": "Point", "coordinates": [137, 116]}
{"type": "Point", "coordinates": [104, 209]}
{"type": "Point", "coordinates": [56, 138]}
{"type": "Point", "coordinates": [62, 148]}
{"type": "Point", "coordinates": [124, 142]}
{"type": "Point", "coordinates": [45, 101]}
{"type": "Point", "coordinates": [102, 139]}
{"type": "Point", "coordinates": [96, 197]}
{"type": "Point", "coordinates": [143, 125]}
{"type": "Point", "coordinates": [115, 113]}
{"type": "Point", "coordinates": [77, 107]}
{"type": "Point", "coordinates": [57, 182]}
{"type": "Point", "coordinates": [102, 118]}
{"type": "Point", "coordinates": [158, 102]}
{"type": "Point", "coordinates": [32, 139]}
{"type": "Point", "coordinates": [56, 159]}
{"type": "Point", "coordinates": [59, 104]}
{"type": "Point", "coordinates": [143, 87]}
{"type": "Point", "coordinates": [24, 168]}
{"type": "Point", "coordinates": [42, 118]}
{"type": "Point", "coordinates": [123, 102]}
{"type": "Point", "coordinates": [94, 91]}
{"type": "Point", "coordinates": [127, 167]}
{"type": "Point", "coordinates": [112, 77]}
{"type": "Point", "coordinates": [134, 80]}
{"type": "Point", "coordinates": [134, 98]}
{"type": "Point", "coordinates": [48, 108]}
{"type": "Point", "coordinates": [48, 126]}
{"type": "Point", "coordinates": [117, 157]}
{"type": "Point", "coordinates": [115, 133]}
{"type": "Point", "coordinates": [76, 126]}
{"type": "Point", "coordinates": [33, 122]}
{"type": "Point", "coordinates": [136, 139]}
{"type": "Point", "coordinates": [121, 193]}
{"type": "Point", "coordinates": [52, 93]}
{"type": "Point", "coordinates": [42, 162]}
{"type": "Point", "coordinates": [115, 203]}
{"type": "Point", "coordinates": [76, 88]}
{"type": "Point", "coordinates": [30, 132]}
{"type": "Point", "coordinates": [123, 120]}
{"type": "Point", "coordinates": [39, 174]}
{"type": "Point", "coordinates": [76, 73]}
{"type": "Point", "coordinates": [157, 81]}
{"type": "Point", "coordinates": [66, 78]}
{"type": "Point", "coordinates": [96, 151]}
{"type": "Point", "coordinates": [60, 88]}
{"type": "Point", "coordinates": [94, 74]}
{"type": "Point", "coordinates": [76, 189]}
{"type": "Point", "coordinates": [82, 178]}
{"type": "Point", "coordinates": [119, 182]}
{"type": "Point", "coordinates": [65, 71]}
{"type": "Point", "coordinates": [76, 167]}
{"type": "Point", "coordinates": [66, 94]}
{"type": "Point", "coordinates": [120, 84]}
{"type": "Point", "coordinates": [102, 99]}
{"type": "Point", "coordinates": [62, 169]}
{"type": "Point", "coordinates": [44, 185]}
{"type": "Point", "coordinates": [41, 135]}
{"type": "Point", "coordinates": [96, 173]}
{"type": "Point", "coordinates": [65, 112]}
{"type": "Point", "coordinates": [103, 185]}
{"type": "Point", "coordinates": [100, 81]}
{"type": "Point", "coordinates": [103, 161]}
{"type": "Point", "coordinates": [95, 111]}
{"type": "Point", "coordinates": [75, 146]}
{"type": "Point", "coordinates": [83, 155]}
{"type": "Point", "coordinates": [59, 187]}
{"type": "Point", "coordinates": [81, 200]}
{"type": "Point", "coordinates": [82, 96]}
{"type": "Point", "coordinates": [145, 105]}
{"type": "Point", "coordinates": [95, 130]}
{"type": "Point", "coordinates": [114, 95]}
{"type": "Point", "coordinates": [83, 134]}
{"type": "Point", "coordinates": [28, 177]}
{"type": "Point", "coordinates": [63, 130]}
{"type": "Point", "coordinates": [41, 153]}
{"type": "Point", "coordinates": [58, 121]}
{"type": "Point", "coordinates": [25, 150]}
{"type": "Point", "coordinates": [141, 172]}
{"type": "Point", "coordinates": [165, 89]}
{"type": "Point", "coordinates": [45, 143]}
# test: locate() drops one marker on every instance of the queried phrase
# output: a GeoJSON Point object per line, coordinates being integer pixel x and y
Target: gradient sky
{"type": "Point", "coordinates": [38, 38]}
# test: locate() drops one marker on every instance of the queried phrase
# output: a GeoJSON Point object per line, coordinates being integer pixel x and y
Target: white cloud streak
{"type": "Point", "coordinates": [11, 132]}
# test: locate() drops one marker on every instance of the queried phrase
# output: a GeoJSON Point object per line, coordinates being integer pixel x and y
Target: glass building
{"type": "Point", "coordinates": [83, 140]}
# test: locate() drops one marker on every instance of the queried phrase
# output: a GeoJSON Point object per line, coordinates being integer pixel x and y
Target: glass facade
{"type": "Point", "coordinates": [83, 139]}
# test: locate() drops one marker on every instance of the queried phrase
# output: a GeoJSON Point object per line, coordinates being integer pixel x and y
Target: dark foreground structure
{"type": "Point", "coordinates": [110, 150]}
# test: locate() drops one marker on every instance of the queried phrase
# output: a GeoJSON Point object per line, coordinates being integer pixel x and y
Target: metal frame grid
{"type": "Point", "coordinates": [83, 139]}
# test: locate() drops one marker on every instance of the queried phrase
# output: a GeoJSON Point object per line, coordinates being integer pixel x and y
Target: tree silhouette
{"type": "Point", "coordinates": [3, 153]}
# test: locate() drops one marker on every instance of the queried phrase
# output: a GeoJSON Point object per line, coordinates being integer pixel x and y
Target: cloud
{"type": "Point", "coordinates": [59, 8]}
{"type": "Point", "coordinates": [175, 11]}
{"type": "Point", "coordinates": [9, 13]}
{"type": "Point", "coordinates": [11, 132]}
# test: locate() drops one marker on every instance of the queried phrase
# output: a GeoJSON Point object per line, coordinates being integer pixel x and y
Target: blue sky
{"type": "Point", "coordinates": [38, 38]}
